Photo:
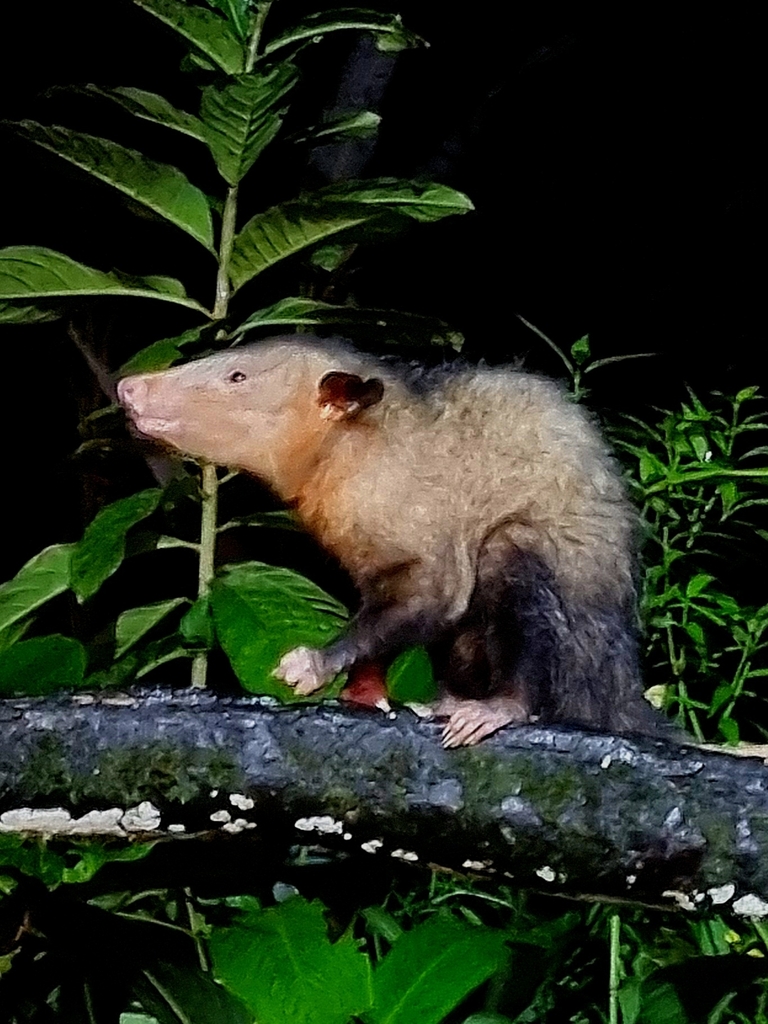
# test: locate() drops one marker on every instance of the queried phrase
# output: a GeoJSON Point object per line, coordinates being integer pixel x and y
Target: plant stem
{"type": "Point", "coordinates": [258, 26]}
{"type": "Point", "coordinates": [228, 222]}
{"type": "Point", "coordinates": [209, 493]}
{"type": "Point", "coordinates": [613, 976]}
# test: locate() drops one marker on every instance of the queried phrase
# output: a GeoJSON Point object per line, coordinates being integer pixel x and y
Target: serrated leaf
{"type": "Point", "coordinates": [410, 678]}
{"type": "Point", "coordinates": [580, 350]}
{"type": "Point", "coordinates": [284, 230]}
{"type": "Point", "coordinates": [150, 106]}
{"type": "Point", "coordinates": [42, 665]}
{"type": "Point", "coordinates": [209, 32]}
{"type": "Point", "coordinates": [132, 624]}
{"type": "Point", "coordinates": [160, 354]}
{"type": "Point", "coordinates": [41, 578]}
{"type": "Point", "coordinates": [431, 969]}
{"type": "Point", "coordinates": [388, 29]}
{"type": "Point", "coordinates": [242, 116]}
{"type": "Point", "coordinates": [33, 272]}
{"type": "Point", "coordinates": [261, 612]}
{"type": "Point", "coordinates": [281, 963]}
{"type": "Point", "coordinates": [102, 547]}
{"type": "Point", "coordinates": [160, 187]}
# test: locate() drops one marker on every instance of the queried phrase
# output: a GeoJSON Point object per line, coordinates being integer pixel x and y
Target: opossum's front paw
{"type": "Point", "coordinates": [304, 669]}
{"type": "Point", "coordinates": [472, 720]}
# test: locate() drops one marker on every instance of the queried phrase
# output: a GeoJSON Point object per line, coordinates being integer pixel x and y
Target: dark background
{"type": "Point", "coordinates": [612, 157]}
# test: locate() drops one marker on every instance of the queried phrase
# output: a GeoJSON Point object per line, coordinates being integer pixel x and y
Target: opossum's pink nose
{"type": "Point", "coordinates": [131, 392]}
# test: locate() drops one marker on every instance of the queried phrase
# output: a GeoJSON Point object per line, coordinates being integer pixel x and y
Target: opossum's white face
{"type": "Point", "coordinates": [256, 408]}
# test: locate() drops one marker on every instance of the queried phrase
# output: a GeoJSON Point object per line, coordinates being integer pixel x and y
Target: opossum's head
{"type": "Point", "coordinates": [266, 408]}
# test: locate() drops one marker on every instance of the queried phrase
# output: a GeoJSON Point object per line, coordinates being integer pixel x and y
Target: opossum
{"type": "Point", "coordinates": [477, 510]}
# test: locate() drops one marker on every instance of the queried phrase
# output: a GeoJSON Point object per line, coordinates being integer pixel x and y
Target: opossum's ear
{"type": "Point", "coordinates": [341, 396]}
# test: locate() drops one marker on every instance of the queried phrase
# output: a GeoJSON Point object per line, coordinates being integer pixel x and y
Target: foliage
{"type": "Point", "coordinates": [699, 477]}
{"type": "Point", "coordinates": [456, 952]}
{"type": "Point", "coordinates": [248, 81]}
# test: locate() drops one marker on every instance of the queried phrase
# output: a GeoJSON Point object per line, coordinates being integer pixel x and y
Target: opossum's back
{"type": "Point", "coordinates": [516, 430]}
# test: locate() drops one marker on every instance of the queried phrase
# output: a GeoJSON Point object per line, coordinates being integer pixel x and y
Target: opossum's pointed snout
{"type": "Point", "coordinates": [131, 393]}
{"type": "Point", "coordinates": [134, 396]}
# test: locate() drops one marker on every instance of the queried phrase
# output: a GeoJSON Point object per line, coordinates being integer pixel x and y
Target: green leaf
{"type": "Point", "coordinates": [32, 857]}
{"type": "Point", "coordinates": [379, 922]}
{"type": "Point", "coordinates": [160, 354]}
{"type": "Point", "coordinates": [746, 394]}
{"type": "Point", "coordinates": [728, 492]}
{"type": "Point", "coordinates": [33, 272]}
{"type": "Point", "coordinates": [330, 257]}
{"type": "Point", "coordinates": [696, 633]}
{"type": "Point", "coordinates": [93, 856]}
{"type": "Point", "coordinates": [261, 613]}
{"type": "Point", "coordinates": [650, 467]}
{"type": "Point", "coordinates": [729, 730]}
{"type": "Point", "coordinates": [720, 697]}
{"type": "Point", "coordinates": [186, 995]}
{"type": "Point", "coordinates": [197, 625]}
{"type": "Point", "coordinates": [698, 583]}
{"type": "Point", "coordinates": [42, 665]}
{"type": "Point", "coordinates": [700, 445]}
{"type": "Point", "coordinates": [11, 313]}
{"type": "Point", "coordinates": [13, 633]}
{"type": "Point", "coordinates": [388, 29]}
{"type": "Point", "coordinates": [281, 519]}
{"type": "Point", "coordinates": [431, 969]}
{"type": "Point", "coordinates": [43, 577]}
{"type": "Point", "coordinates": [160, 652]}
{"type": "Point", "coordinates": [361, 124]}
{"type": "Point", "coordinates": [410, 679]}
{"type": "Point", "coordinates": [102, 547]}
{"type": "Point", "coordinates": [284, 230]}
{"type": "Point", "coordinates": [580, 350]}
{"type": "Point", "coordinates": [281, 963]}
{"type": "Point", "coordinates": [161, 187]}
{"type": "Point", "coordinates": [135, 622]}
{"type": "Point", "coordinates": [490, 1018]}
{"type": "Point", "coordinates": [301, 312]}
{"type": "Point", "coordinates": [207, 31]}
{"type": "Point", "coordinates": [237, 12]}
{"type": "Point", "coordinates": [241, 118]}
{"type": "Point", "coordinates": [151, 107]}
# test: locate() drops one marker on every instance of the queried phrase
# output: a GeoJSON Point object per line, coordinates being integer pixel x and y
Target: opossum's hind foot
{"type": "Point", "coordinates": [470, 721]}
{"type": "Point", "coordinates": [305, 670]}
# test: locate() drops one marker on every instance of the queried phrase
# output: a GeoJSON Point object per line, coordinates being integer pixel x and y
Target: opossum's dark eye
{"type": "Point", "coordinates": [236, 376]}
